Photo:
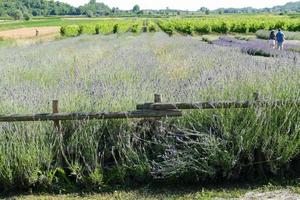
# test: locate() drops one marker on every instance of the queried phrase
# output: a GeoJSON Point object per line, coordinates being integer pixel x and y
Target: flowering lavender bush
{"type": "Point", "coordinates": [255, 46]}
{"type": "Point", "coordinates": [113, 73]}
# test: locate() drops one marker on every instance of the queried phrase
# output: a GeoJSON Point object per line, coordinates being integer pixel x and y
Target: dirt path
{"type": "Point", "coordinates": [24, 33]}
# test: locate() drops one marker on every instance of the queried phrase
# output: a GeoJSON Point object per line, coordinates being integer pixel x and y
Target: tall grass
{"type": "Point", "coordinates": [113, 73]}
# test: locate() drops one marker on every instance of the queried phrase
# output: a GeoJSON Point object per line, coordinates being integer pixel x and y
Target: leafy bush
{"type": "Point", "coordinates": [17, 14]}
{"type": "Point", "coordinates": [70, 30]}
{"type": "Point", "coordinates": [89, 14]}
{"type": "Point", "coordinates": [116, 28]}
{"type": "Point", "coordinates": [203, 28]}
{"type": "Point", "coordinates": [152, 27]}
{"type": "Point", "coordinates": [240, 28]}
{"type": "Point", "coordinates": [26, 16]}
{"type": "Point", "coordinates": [87, 29]}
{"type": "Point", "coordinates": [167, 26]}
{"type": "Point", "coordinates": [135, 28]}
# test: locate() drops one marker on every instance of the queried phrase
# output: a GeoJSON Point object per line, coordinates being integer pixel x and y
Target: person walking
{"type": "Point", "coordinates": [280, 38]}
{"type": "Point", "coordinates": [272, 40]}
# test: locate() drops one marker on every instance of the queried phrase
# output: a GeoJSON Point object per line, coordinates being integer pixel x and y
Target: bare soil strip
{"type": "Point", "coordinates": [24, 33]}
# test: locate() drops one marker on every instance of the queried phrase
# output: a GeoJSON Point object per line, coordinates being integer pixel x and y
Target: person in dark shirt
{"type": "Point", "coordinates": [280, 38]}
{"type": "Point", "coordinates": [272, 39]}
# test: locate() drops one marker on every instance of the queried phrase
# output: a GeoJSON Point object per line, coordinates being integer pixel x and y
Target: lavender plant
{"type": "Point", "coordinates": [113, 73]}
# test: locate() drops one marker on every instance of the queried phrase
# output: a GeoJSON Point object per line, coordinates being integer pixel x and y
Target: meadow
{"type": "Point", "coordinates": [113, 73]}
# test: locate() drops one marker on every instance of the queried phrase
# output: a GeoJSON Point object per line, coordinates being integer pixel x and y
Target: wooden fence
{"type": "Point", "coordinates": [157, 109]}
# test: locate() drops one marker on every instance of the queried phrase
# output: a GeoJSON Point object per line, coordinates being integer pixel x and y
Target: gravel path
{"type": "Point", "coordinates": [276, 195]}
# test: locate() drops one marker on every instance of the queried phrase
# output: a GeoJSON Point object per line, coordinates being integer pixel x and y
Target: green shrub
{"type": "Point", "coordinates": [26, 16]}
{"type": "Point", "coordinates": [135, 28]}
{"type": "Point", "coordinates": [152, 27]}
{"type": "Point", "coordinates": [87, 29]}
{"type": "Point", "coordinates": [167, 26]}
{"type": "Point", "coordinates": [70, 30]}
{"type": "Point", "coordinates": [240, 28]}
{"type": "Point", "coordinates": [203, 28]}
{"type": "Point", "coordinates": [116, 28]}
{"type": "Point", "coordinates": [89, 14]}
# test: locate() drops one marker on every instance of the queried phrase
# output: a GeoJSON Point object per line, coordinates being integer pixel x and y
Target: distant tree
{"type": "Point", "coordinates": [203, 9]}
{"type": "Point", "coordinates": [207, 12]}
{"type": "Point", "coordinates": [97, 8]}
{"type": "Point", "coordinates": [2, 12]}
{"type": "Point", "coordinates": [136, 9]}
{"type": "Point", "coordinates": [27, 16]}
{"type": "Point", "coordinates": [89, 13]}
{"type": "Point", "coordinates": [17, 14]}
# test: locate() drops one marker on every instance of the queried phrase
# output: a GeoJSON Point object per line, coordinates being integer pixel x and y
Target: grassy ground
{"type": "Point", "coordinates": [46, 22]}
{"type": "Point", "coordinates": [173, 193]}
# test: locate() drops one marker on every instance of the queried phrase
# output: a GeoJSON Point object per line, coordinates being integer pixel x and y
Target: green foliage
{"type": "Point", "coordinates": [136, 9]}
{"type": "Point", "coordinates": [226, 24]}
{"type": "Point", "coordinates": [135, 28]}
{"type": "Point", "coordinates": [104, 27]}
{"type": "Point", "coordinates": [71, 30]}
{"type": "Point", "coordinates": [167, 26]}
{"type": "Point", "coordinates": [94, 8]}
{"type": "Point", "coordinates": [87, 29]}
{"type": "Point", "coordinates": [36, 8]}
{"type": "Point", "coordinates": [152, 27]}
{"type": "Point", "coordinates": [115, 28]}
{"type": "Point", "coordinates": [26, 16]}
{"type": "Point", "coordinates": [89, 14]}
{"type": "Point", "coordinates": [17, 15]}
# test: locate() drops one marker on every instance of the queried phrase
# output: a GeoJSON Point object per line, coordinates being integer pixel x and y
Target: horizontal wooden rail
{"type": "Point", "coordinates": [214, 105]}
{"type": "Point", "coordinates": [147, 110]}
{"type": "Point", "coordinates": [88, 116]}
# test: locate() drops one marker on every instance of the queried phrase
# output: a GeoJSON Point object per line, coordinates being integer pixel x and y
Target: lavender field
{"type": "Point", "coordinates": [114, 73]}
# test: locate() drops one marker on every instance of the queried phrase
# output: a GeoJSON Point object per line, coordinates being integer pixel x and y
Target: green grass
{"type": "Point", "coordinates": [171, 192]}
{"type": "Point", "coordinates": [49, 22]}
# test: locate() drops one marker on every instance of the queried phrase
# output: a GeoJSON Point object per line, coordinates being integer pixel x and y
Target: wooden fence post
{"type": "Point", "coordinates": [158, 125]}
{"type": "Point", "coordinates": [256, 96]}
{"type": "Point", "coordinates": [55, 110]}
{"type": "Point", "coordinates": [157, 98]}
{"type": "Point", "coordinates": [257, 152]}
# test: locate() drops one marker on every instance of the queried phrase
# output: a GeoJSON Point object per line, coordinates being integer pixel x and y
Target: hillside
{"type": "Point", "coordinates": [289, 7]}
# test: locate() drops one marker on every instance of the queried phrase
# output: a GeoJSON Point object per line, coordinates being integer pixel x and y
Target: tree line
{"type": "Point", "coordinates": [26, 8]}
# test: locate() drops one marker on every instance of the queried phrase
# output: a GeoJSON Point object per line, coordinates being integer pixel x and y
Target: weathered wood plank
{"type": "Point", "coordinates": [91, 115]}
{"type": "Point", "coordinates": [214, 105]}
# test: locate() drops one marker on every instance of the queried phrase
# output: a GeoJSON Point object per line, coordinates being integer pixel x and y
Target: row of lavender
{"type": "Point", "coordinates": [113, 73]}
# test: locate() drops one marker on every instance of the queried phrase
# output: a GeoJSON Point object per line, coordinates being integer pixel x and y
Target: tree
{"type": "Point", "coordinates": [136, 9]}
{"type": "Point", "coordinates": [27, 17]}
{"type": "Point", "coordinates": [207, 12]}
{"type": "Point", "coordinates": [2, 12]}
{"type": "Point", "coordinates": [17, 14]}
{"type": "Point", "coordinates": [203, 9]}
{"type": "Point", "coordinates": [89, 13]}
